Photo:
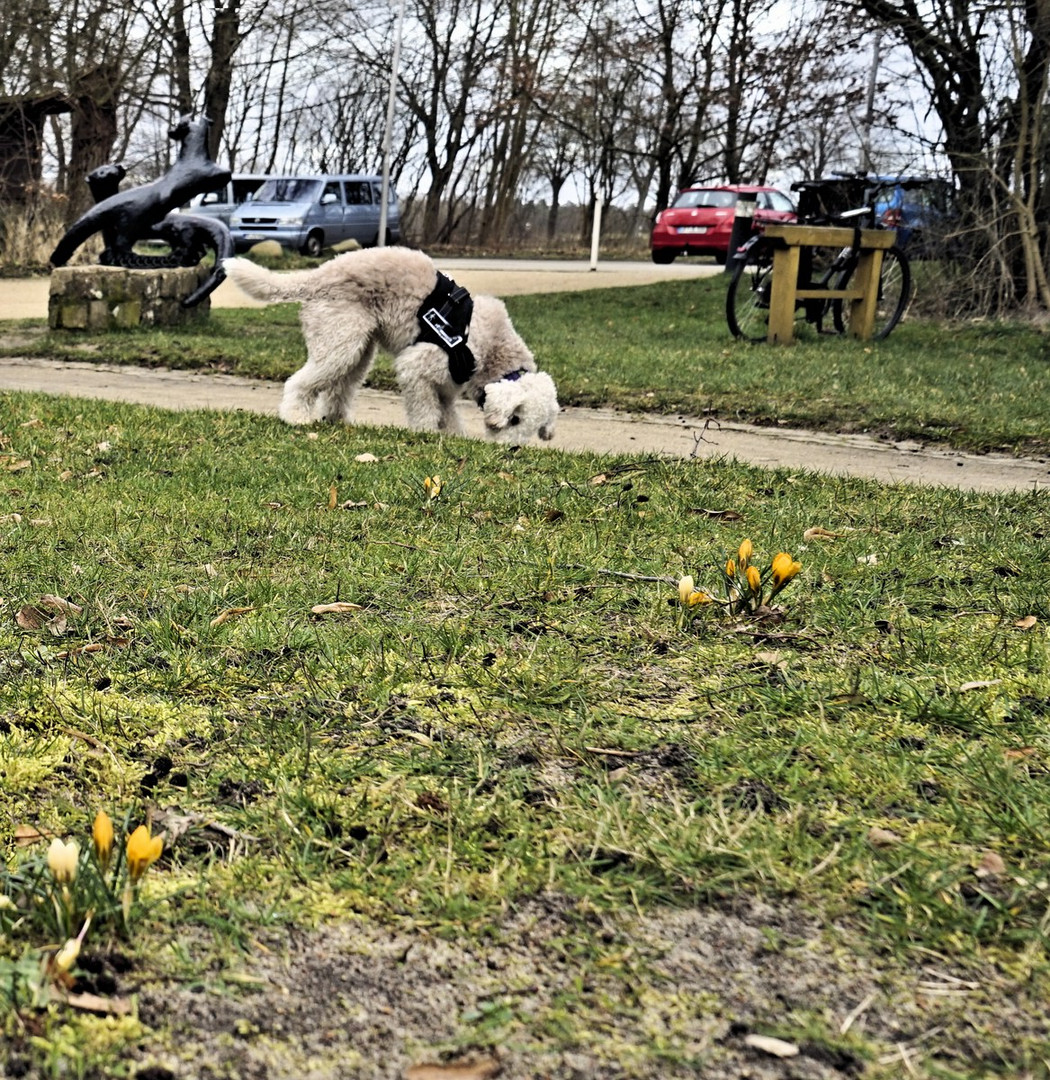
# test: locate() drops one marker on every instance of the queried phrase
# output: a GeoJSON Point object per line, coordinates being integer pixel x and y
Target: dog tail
{"type": "Point", "coordinates": [263, 284]}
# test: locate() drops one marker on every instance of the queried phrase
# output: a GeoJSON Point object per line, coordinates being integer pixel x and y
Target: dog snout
{"type": "Point", "coordinates": [546, 433]}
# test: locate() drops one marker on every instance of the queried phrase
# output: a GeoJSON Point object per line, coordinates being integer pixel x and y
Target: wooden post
{"type": "Point", "coordinates": [862, 309]}
{"type": "Point", "coordinates": [782, 295]}
{"type": "Point", "coordinates": [861, 293]}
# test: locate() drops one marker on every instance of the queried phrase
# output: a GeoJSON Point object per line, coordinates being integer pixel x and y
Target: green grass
{"type": "Point", "coordinates": [665, 348]}
{"type": "Point", "coordinates": [517, 706]}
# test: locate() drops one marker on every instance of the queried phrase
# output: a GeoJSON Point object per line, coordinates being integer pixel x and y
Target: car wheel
{"type": "Point", "coordinates": [721, 257]}
{"type": "Point", "coordinates": [662, 256]}
{"type": "Point", "coordinates": [314, 245]}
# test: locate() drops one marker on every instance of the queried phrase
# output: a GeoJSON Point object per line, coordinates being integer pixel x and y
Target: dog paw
{"type": "Point", "coordinates": [294, 414]}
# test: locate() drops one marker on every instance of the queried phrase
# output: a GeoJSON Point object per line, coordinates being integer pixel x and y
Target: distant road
{"type": "Point", "coordinates": [26, 298]}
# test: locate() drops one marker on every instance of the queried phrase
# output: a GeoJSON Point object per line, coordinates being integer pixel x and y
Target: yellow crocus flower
{"type": "Point", "coordinates": [143, 851]}
{"type": "Point", "coordinates": [62, 860]}
{"type": "Point", "coordinates": [754, 579]}
{"type": "Point", "coordinates": [745, 552]}
{"type": "Point", "coordinates": [784, 569]}
{"type": "Point", "coordinates": [102, 838]}
{"type": "Point", "coordinates": [432, 486]}
{"type": "Point", "coordinates": [730, 569]}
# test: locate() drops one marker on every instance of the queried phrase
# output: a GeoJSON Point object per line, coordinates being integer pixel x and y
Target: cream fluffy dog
{"type": "Point", "coordinates": [367, 300]}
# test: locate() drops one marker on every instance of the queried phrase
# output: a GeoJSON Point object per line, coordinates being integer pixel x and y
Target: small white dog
{"type": "Point", "coordinates": [444, 343]}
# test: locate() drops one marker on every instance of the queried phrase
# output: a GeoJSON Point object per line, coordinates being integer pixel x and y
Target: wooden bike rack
{"type": "Point", "coordinates": [862, 293]}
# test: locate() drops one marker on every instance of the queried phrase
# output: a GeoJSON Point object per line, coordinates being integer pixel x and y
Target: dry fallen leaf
{"type": "Point", "coordinates": [366, 459]}
{"type": "Point", "coordinates": [18, 466]}
{"type": "Point", "coordinates": [879, 837]}
{"type": "Point", "coordinates": [94, 647]}
{"type": "Point", "coordinates": [30, 618]}
{"type": "Point", "coordinates": [93, 1003]}
{"type": "Point", "coordinates": [1026, 623]}
{"type": "Point", "coordinates": [475, 1069]}
{"type": "Point", "coordinates": [333, 497]}
{"type": "Point", "coordinates": [817, 533]}
{"type": "Point", "coordinates": [723, 515]}
{"type": "Point", "coordinates": [340, 607]}
{"type": "Point", "coordinates": [991, 865]}
{"type": "Point", "coordinates": [56, 603]}
{"type": "Point", "coordinates": [229, 613]}
{"type": "Point", "coordinates": [28, 834]}
{"type": "Point", "coordinates": [599, 479]}
{"type": "Point", "coordinates": [769, 1045]}
{"type": "Point", "coordinates": [979, 684]}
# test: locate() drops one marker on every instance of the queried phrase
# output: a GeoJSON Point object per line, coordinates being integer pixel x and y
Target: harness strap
{"type": "Point", "coordinates": [444, 320]}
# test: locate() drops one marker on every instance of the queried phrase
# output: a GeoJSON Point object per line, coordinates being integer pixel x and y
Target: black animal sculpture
{"type": "Point", "coordinates": [145, 213]}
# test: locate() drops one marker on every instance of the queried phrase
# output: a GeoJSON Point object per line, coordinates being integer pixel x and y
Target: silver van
{"type": "Point", "coordinates": [309, 213]}
{"type": "Point", "coordinates": [222, 203]}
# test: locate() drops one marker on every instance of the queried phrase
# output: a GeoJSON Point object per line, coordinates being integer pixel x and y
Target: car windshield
{"type": "Point", "coordinates": [706, 197]}
{"type": "Point", "coordinates": [288, 190]}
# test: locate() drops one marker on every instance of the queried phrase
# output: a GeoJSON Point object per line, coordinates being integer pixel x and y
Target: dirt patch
{"type": "Point", "coordinates": [555, 992]}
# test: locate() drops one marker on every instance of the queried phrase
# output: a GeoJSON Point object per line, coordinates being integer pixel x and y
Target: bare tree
{"type": "Point", "coordinates": [993, 128]}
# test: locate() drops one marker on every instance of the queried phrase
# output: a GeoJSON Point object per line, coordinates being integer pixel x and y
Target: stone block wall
{"type": "Point", "coordinates": [106, 297]}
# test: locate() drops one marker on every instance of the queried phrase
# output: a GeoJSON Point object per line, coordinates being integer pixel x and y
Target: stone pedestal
{"type": "Point", "coordinates": [106, 297]}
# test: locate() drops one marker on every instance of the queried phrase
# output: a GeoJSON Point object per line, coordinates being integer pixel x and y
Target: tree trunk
{"type": "Point", "coordinates": [226, 38]}
{"type": "Point", "coordinates": [93, 133]}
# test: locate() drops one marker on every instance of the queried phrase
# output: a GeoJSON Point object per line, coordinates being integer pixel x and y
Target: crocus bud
{"type": "Point", "coordinates": [62, 860]}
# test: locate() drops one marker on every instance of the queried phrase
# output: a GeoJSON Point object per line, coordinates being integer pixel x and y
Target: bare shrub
{"type": "Point", "coordinates": [29, 230]}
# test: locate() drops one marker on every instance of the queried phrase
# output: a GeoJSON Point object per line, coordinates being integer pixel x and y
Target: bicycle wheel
{"type": "Point", "coordinates": [893, 297]}
{"type": "Point", "coordinates": [747, 300]}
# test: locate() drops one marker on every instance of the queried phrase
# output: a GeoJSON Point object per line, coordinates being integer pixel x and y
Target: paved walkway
{"type": "Point", "coordinates": [596, 430]}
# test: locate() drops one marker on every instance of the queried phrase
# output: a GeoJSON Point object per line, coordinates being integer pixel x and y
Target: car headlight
{"type": "Point", "coordinates": [292, 221]}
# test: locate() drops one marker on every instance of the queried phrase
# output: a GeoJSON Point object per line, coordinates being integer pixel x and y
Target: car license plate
{"type": "Point", "coordinates": [692, 228]}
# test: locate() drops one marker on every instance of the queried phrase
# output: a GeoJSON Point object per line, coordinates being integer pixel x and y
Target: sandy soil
{"type": "Point", "coordinates": [599, 431]}
{"type": "Point", "coordinates": [356, 1001]}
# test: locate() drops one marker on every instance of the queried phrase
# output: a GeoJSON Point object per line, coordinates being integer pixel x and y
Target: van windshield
{"type": "Point", "coordinates": [288, 190]}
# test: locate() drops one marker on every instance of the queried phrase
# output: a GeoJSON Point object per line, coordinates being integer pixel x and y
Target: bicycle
{"type": "Point", "coordinates": [748, 296]}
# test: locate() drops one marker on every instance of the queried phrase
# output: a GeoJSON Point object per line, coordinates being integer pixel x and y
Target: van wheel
{"type": "Point", "coordinates": [390, 239]}
{"type": "Point", "coordinates": [314, 245]}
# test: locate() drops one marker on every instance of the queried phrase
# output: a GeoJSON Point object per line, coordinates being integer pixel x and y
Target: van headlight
{"type": "Point", "coordinates": [292, 221]}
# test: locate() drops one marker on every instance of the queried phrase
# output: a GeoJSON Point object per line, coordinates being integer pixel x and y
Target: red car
{"type": "Point", "coordinates": [701, 219]}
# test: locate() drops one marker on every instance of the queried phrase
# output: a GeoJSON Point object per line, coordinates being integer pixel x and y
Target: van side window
{"type": "Point", "coordinates": [358, 193]}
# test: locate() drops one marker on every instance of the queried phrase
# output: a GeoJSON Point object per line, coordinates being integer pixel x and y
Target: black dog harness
{"type": "Point", "coordinates": [444, 320]}
{"type": "Point", "coordinates": [511, 376]}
